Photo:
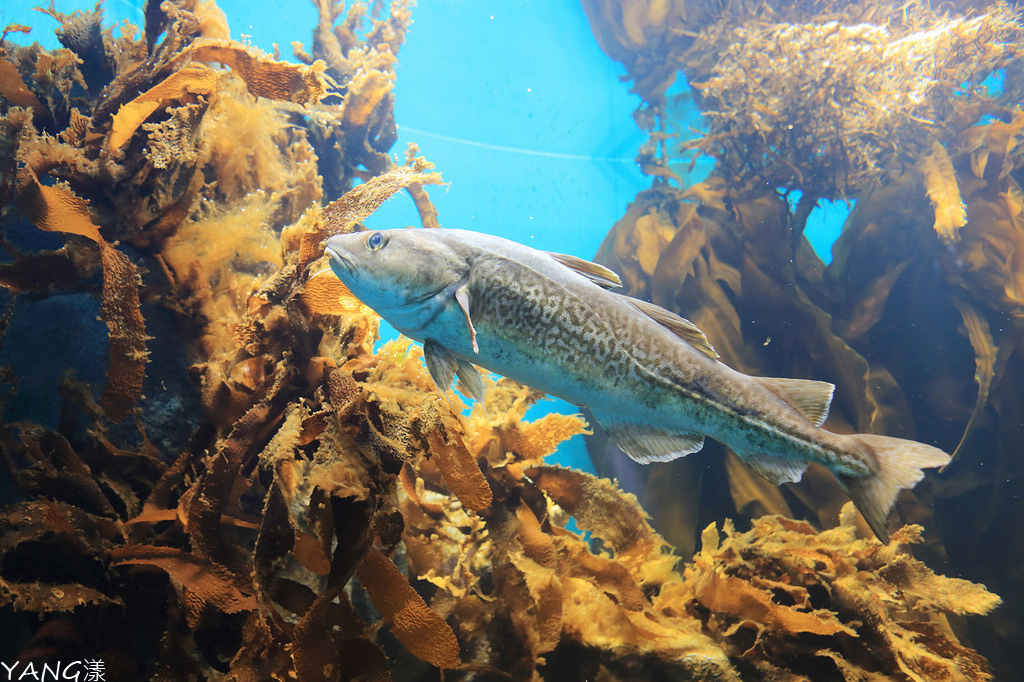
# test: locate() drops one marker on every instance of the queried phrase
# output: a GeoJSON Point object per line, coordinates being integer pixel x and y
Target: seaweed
{"type": "Point", "coordinates": [329, 514]}
{"type": "Point", "coordinates": [899, 112]}
{"type": "Point", "coordinates": [757, 589]}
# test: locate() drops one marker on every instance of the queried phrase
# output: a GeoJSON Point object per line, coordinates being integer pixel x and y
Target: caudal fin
{"type": "Point", "coordinates": [899, 466]}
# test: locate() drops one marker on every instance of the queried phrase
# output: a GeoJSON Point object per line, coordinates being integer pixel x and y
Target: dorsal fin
{"type": "Point", "coordinates": [598, 274]}
{"type": "Point", "coordinates": [680, 326]}
{"type": "Point", "coordinates": [810, 398]}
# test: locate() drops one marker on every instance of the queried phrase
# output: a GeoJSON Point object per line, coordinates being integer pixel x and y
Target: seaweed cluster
{"type": "Point", "coordinates": [319, 511]}
{"type": "Point", "coordinates": [282, 554]}
{"type": "Point", "coordinates": [828, 97]}
{"type": "Point", "coordinates": [913, 116]}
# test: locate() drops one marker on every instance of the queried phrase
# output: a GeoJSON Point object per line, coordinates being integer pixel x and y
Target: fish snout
{"type": "Point", "coordinates": [338, 259]}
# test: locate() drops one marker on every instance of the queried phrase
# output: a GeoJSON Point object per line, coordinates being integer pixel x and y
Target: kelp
{"type": "Point", "coordinates": [757, 589]}
{"type": "Point", "coordinates": [58, 209]}
{"type": "Point", "coordinates": [886, 108]}
{"type": "Point", "coordinates": [864, 82]}
{"type": "Point", "coordinates": [331, 514]}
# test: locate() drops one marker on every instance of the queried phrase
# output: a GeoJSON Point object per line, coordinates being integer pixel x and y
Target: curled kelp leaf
{"type": "Point", "coordinates": [985, 352]}
{"type": "Point", "coordinates": [59, 209]}
{"type": "Point", "coordinates": [848, 590]}
{"type": "Point", "coordinates": [598, 506]}
{"type": "Point", "coordinates": [459, 467]}
{"type": "Point", "coordinates": [55, 209]}
{"type": "Point", "coordinates": [325, 294]}
{"type": "Point", "coordinates": [342, 215]}
{"type": "Point", "coordinates": [263, 76]}
{"type": "Point", "coordinates": [119, 309]}
{"type": "Point", "coordinates": [184, 87]}
{"type": "Point", "coordinates": [205, 579]}
{"type": "Point", "coordinates": [13, 88]}
{"type": "Point", "coordinates": [940, 181]}
{"type": "Point", "coordinates": [421, 630]}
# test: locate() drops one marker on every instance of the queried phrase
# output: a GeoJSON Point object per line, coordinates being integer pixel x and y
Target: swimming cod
{"type": "Point", "coordinates": [649, 377]}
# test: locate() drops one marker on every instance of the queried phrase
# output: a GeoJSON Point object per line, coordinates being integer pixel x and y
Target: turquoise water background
{"type": "Point", "coordinates": [513, 101]}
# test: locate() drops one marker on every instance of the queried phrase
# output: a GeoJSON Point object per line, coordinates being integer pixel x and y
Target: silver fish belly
{"type": "Point", "coordinates": [650, 378]}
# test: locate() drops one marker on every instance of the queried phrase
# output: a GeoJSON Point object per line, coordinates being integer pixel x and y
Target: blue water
{"type": "Point", "coordinates": [526, 118]}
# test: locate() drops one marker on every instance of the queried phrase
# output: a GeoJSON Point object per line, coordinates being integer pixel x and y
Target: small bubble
{"type": "Point", "coordinates": [59, 594]}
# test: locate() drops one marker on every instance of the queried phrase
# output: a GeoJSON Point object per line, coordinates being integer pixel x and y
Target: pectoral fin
{"type": "Point", "coordinates": [646, 444]}
{"type": "Point", "coordinates": [462, 297]}
{"type": "Point", "coordinates": [444, 367]}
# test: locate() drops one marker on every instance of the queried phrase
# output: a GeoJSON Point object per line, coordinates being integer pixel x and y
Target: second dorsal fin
{"type": "Point", "coordinates": [598, 274]}
{"type": "Point", "coordinates": [680, 326]}
{"type": "Point", "coordinates": [810, 398]}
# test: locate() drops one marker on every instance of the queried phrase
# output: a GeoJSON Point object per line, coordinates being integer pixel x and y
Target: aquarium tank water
{"type": "Point", "coordinates": [794, 228]}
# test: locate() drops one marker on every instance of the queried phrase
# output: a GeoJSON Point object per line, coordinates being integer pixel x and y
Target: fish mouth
{"type": "Point", "coordinates": [337, 258]}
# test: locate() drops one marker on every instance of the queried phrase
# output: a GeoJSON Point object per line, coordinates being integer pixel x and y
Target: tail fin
{"type": "Point", "coordinates": [899, 466]}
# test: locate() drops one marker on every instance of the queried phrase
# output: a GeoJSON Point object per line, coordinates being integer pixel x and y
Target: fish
{"type": "Point", "coordinates": [649, 377]}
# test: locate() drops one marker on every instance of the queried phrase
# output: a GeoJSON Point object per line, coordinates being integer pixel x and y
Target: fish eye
{"type": "Point", "coordinates": [376, 241]}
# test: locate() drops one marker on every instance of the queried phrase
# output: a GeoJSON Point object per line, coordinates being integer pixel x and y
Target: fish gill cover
{"type": "Point", "coordinates": [329, 516]}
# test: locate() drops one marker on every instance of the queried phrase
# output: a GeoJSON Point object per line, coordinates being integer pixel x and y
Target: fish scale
{"type": "Point", "coordinates": [650, 378]}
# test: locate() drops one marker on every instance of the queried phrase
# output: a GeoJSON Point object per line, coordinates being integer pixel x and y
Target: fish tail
{"type": "Point", "coordinates": [900, 464]}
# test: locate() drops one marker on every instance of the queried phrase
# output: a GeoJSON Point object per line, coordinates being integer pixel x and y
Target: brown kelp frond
{"type": "Point", "coordinates": [58, 209]}
{"type": "Point", "coordinates": [329, 514]}
{"type": "Point", "coordinates": [877, 609]}
{"type": "Point", "coordinates": [825, 97]}
{"type": "Point", "coordinates": [342, 215]}
{"type": "Point", "coordinates": [913, 113]}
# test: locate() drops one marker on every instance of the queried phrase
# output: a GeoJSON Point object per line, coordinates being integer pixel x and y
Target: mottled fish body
{"type": "Point", "coordinates": [649, 377]}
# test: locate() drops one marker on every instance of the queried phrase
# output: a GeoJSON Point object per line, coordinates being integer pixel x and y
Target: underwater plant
{"type": "Point", "coordinates": [300, 503]}
{"type": "Point", "coordinates": [910, 113]}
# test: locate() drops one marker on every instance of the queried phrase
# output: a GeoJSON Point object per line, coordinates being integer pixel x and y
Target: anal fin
{"type": "Point", "coordinates": [810, 398]}
{"type": "Point", "coordinates": [775, 470]}
{"type": "Point", "coordinates": [646, 444]}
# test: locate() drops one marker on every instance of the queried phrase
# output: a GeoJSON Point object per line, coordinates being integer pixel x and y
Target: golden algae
{"type": "Point", "coordinates": [781, 579]}
{"type": "Point", "coordinates": [887, 107]}
{"type": "Point", "coordinates": [329, 494]}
